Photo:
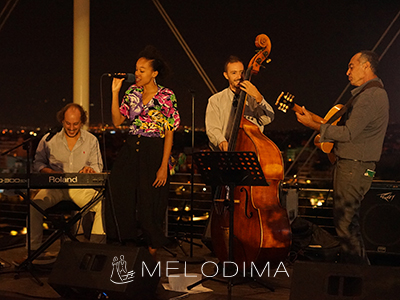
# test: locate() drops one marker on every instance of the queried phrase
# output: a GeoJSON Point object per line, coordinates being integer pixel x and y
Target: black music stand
{"type": "Point", "coordinates": [229, 169]}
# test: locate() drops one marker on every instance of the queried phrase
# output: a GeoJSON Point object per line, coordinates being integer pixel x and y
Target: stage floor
{"type": "Point", "coordinates": [303, 280]}
{"type": "Point", "coordinates": [26, 288]}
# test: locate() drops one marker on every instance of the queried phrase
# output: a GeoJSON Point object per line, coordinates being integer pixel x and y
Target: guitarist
{"type": "Point", "coordinates": [358, 141]}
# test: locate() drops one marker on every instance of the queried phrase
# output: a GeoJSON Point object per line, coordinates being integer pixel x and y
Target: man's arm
{"type": "Point", "coordinates": [306, 119]}
{"type": "Point", "coordinates": [259, 107]}
{"type": "Point", "coordinates": [41, 162]}
{"type": "Point", "coordinates": [364, 109]}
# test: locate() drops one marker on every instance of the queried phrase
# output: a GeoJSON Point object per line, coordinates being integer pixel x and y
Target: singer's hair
{"type": "Point", "coordinates": [372, 58]}
{"type": "Point", "coordinates": [157, 62]}
{"type": "Point", "coordinates": [61, 113]}
{"type": "Point", "coordinates": [232, 59]}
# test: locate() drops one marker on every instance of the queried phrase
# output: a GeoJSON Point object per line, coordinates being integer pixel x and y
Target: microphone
{"type": "Point", "coordinates": [52, 132]}
{"type": "Point", "coordinates": [129, 77]}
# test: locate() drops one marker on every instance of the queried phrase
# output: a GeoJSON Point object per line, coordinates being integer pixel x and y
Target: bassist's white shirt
{"type": "Point", "coordinates": [219, 115]}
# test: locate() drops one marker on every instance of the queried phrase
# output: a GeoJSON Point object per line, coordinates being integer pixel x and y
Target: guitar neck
{"type": "Point", "coordinates": [315, 117]}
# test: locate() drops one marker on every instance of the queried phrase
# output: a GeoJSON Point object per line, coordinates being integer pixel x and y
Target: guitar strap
{"type": "Point", "coordinates": [349, 103]}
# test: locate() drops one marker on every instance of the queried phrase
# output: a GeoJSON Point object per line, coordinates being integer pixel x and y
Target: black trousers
{"type": "Point", "coordinates": [349, 188]}
{"type": "Point", "coordinates": [133, 207]}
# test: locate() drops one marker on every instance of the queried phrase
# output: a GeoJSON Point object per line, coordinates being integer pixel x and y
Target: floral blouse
{"type": "Point", "coordinates": [152, 119]}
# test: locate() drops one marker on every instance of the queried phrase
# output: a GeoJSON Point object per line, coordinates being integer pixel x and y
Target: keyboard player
{"type": "Point", "coordinates": [72, 150]}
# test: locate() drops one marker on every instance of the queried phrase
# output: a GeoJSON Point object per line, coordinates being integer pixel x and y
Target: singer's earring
{"type": "Point", "coordinates": [155, 82]}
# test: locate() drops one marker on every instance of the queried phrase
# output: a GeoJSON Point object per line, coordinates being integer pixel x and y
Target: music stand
{"type": "Point", "coordinates": [229, 169]}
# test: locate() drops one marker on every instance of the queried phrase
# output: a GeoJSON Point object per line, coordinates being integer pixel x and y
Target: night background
{"type": "Point", "coordinates": [312, 43]}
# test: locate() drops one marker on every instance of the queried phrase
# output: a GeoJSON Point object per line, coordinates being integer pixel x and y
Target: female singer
{"type": "Point", "coordinates": [139, 184]}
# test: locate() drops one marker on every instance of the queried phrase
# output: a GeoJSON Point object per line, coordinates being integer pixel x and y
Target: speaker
{"type": "Point", "coordinates": [323, 281]}
{"type": "Point", "coordinates": [100, 270]}
{"type": "Point", "coordinates": [380, 215]}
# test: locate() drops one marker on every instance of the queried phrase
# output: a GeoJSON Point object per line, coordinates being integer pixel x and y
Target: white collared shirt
{"type": "Point", "coordinates": [55, 154]}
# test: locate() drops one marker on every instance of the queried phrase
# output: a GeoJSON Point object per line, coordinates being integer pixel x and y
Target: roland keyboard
{"type": "Point", "coordinates": [53, 181]}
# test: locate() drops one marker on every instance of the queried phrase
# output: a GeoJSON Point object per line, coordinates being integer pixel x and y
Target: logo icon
{"type": "Point", "coordinates": [119, 274]}
{"type": "Point", "coordinates": [388, 197]}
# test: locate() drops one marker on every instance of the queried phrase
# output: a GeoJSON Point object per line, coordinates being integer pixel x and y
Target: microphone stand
{"type": "Point", "coordinates": [191, 258]}
{"type": "Point", "coordinates": [26, 146]}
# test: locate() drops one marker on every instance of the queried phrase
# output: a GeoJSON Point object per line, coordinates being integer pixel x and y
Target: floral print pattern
{"type": "Point", "coordinates": [152, 119]}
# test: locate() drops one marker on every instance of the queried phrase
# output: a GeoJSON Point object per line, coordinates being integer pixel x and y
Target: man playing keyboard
{"type": "Point", "coordinates": [72, 150]}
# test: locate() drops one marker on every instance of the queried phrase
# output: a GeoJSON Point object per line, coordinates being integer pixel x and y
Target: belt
{"type": "Point", "coordinates": [357, 160]}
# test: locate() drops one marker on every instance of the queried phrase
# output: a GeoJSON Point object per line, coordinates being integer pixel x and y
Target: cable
{"type": "Point", "coordinates": [108, 189]}
{"type": "Point", "coordinates": [185, 47]}
{"type": "Point", "coordinates": [9, 12]}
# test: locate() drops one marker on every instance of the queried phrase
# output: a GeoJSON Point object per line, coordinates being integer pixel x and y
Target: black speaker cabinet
{"type": "Point", "coordinates": [380, 218]}
{"type": "Point", "coordinates": [328, 281]}
{"type": "Point", "coordinates": [92, 269]}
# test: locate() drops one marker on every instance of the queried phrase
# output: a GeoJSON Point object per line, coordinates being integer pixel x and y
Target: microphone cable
{"type": "Point", "coordinates": [108, 187]}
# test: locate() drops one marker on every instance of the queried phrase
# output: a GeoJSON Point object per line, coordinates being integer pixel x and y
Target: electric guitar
{"type": "Point", "coordinates": [285, 102]}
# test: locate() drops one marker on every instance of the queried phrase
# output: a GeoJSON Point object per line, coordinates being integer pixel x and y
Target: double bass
{"type": "Point", "coordinates": [261, 226]}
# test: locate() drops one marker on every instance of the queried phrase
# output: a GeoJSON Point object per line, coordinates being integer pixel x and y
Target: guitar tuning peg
{"type": "Point", "coordinates": [289, 97]}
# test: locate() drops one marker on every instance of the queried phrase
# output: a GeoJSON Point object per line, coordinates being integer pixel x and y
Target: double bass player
{"type": "Point", "coordinates": [262, 230]}
{"type": "Point", "coordinates": [221, 106]}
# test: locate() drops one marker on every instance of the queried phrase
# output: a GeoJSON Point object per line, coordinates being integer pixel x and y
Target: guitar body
{"type": "Point", "coordinates": [327, 147]}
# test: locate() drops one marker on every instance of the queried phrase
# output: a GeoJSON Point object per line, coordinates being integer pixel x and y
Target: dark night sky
{"type": "Point", "coordinates": [312, 42]}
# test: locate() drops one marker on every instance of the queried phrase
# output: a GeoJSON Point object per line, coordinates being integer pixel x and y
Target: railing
{"type": "Point", "coordinates": [179, 205]}
{"type": "Point", "coordinates": [314, 204]}
{"type": "Point", "coordinates": [315, 201]}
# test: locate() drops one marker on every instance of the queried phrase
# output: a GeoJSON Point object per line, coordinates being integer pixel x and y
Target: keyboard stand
{"type": "Point", "coordinates": [27, 144]}
{"type": "Point", "coordinates": [65, 229]}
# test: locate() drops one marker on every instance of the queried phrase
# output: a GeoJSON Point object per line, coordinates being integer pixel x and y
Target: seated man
{"type": "Point", "coordinates": [72, 150]}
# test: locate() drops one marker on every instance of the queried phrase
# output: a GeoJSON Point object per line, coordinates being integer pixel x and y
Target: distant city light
{"type": "Point", "coordinates": [112, 132]}
{"type": "Point", "coordinates": [316, 202]}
